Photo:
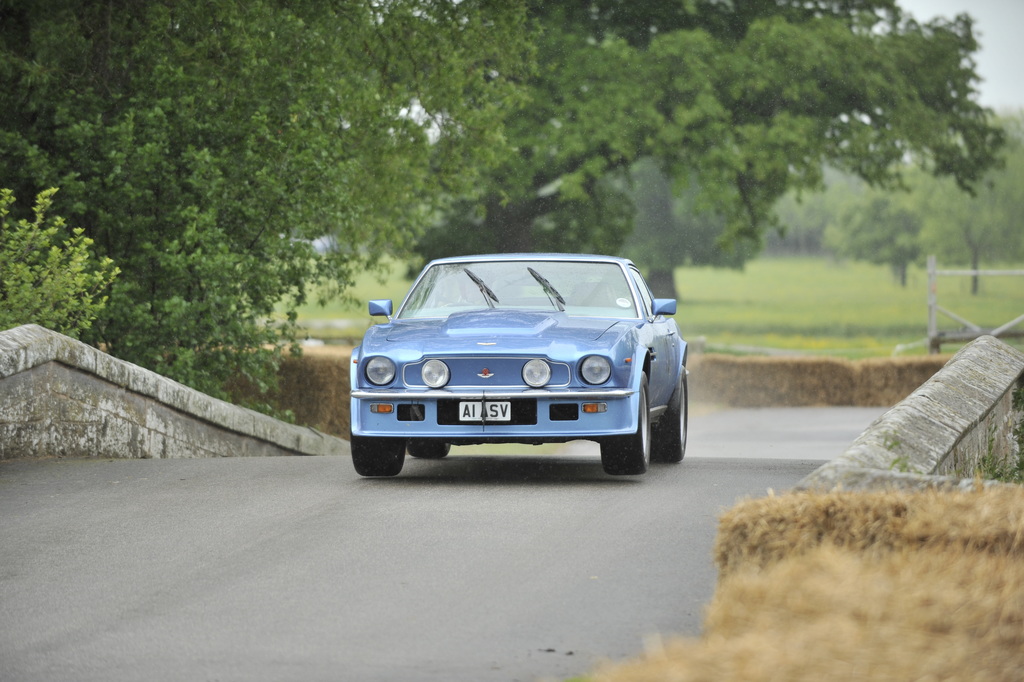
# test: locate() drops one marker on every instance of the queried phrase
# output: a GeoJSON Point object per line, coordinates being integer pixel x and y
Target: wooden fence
{"type": "Point", "coordinates": [970, 330]}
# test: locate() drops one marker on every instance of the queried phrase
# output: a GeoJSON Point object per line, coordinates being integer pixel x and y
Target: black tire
{"type": "Point", "coordinates": [668, 434]}
{"type": "Point", "coordinates": [428, 448]}
{"type": "Point", "coordinates": [630, 455]}
{"type": "Point", "coordinates": [378, 456]}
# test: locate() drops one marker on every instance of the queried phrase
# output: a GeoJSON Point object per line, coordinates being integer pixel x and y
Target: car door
{"type": "Point", "coordinates": [661, 335]}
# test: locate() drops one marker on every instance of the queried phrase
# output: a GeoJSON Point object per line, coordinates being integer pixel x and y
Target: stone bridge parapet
{"type": "Point", "coordinates": [62, 398]}
{"type": "Point", "coordinates": [940, 433]}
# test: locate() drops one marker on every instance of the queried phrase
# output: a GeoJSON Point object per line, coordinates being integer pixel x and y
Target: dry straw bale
{"type": "Point", "coordinates": [765, 531]}
{"type": "Point", "coordinates": [758, 381]}
{"type": "Point", "coordinates": [754, 381]}
{"type": "Point", "coordinates": [835, 614]}
{"type": "Point", "coordinates": [760, 532]}
{"type": "Point", "coordinates": [313, 386]}
{"type": "Point", "coordinates": [886, 381]}
{"type": "Point", "coordinates": [857, 586]}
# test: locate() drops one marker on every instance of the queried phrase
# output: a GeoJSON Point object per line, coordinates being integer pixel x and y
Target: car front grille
{"type": "Point", "coordinates": [495, 373]}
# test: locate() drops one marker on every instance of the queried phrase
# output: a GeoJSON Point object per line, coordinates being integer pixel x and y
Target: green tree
{"type": "Point", "coordinates": [971, 230]}
{"type": "Point", "coordinates": [205, 146]}
{"type": "Point", "coordinates": [804, 217]}
{"type": "Point", "coordinates": [879, 228]}
{"type": "Point", "coordinates": [742, 100]}
{"type": "Point", "coordinates": [48, 276]}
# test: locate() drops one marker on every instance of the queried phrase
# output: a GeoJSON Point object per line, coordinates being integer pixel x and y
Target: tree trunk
{"type": "Point", "coordinates": [901, 274]}
{"type": "Point", "coordinates": [662, 283]}
{"type": "Point", "coordinates": [511, 224]}
{"type": "Point", "coordinates": [975, 265]}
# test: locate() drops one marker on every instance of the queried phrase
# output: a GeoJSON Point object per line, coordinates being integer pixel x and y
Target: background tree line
{"type": "Point", "coordinates": [230, 156]}
{"type": "Point", "coordinates": [929, 216]}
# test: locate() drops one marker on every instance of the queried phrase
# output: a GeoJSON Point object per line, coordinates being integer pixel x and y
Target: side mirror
{"type": "Point", "coordinates": [380, 307]}
{"type": "Point", "coordinates": [664, 306]}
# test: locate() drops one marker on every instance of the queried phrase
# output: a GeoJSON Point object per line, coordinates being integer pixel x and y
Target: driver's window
{"type": "Point", "coordinates": [645, 292]}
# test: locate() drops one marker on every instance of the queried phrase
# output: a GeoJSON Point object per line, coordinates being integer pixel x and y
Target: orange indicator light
{"type": "Point", "coordinates": [594, 408]}
{"type": "Point", "coordinates": [382, 408]}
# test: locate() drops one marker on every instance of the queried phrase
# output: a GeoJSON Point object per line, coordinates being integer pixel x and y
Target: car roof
{"type": "Point", "coordinates": [582, 257]}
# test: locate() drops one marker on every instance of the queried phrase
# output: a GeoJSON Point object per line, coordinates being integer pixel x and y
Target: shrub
{"type": "Point", "coordinates": [44, 281]}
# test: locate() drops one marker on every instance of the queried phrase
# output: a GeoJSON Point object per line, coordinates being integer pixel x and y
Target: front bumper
{"type": "Point", "coordinates": [537, 415]}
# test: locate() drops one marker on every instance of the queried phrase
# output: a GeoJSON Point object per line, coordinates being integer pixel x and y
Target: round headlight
{"type": "Point", "coordinates": [380, 370]}
{"type": "Point", "coordinates": [435, 373]}
{"type": "Point", "coordinates": [536, 373]}
{"type": "Point", "coordinates": [595, 369]}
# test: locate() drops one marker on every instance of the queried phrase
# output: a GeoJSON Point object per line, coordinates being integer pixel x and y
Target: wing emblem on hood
{"type": "Point", "coordinates": [485, 374]}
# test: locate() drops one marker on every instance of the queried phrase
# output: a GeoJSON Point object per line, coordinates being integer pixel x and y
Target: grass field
{"type": "Point", "coordinates": [809, 305]}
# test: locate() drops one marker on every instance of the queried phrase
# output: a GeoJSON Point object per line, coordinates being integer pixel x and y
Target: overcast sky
{"type": "Point", "coordinates": [999, 27]}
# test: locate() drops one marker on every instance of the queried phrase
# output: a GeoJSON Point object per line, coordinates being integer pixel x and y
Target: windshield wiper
{"type": "Point", "coordinates": [484, 289]}
{"type": "Point", "coordinates": [549, 289]}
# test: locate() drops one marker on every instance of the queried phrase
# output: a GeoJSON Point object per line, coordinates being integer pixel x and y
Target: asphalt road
{"type": "Point", "coordinates": [475, 568]}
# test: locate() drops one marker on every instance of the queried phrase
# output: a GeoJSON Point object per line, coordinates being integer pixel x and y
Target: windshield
{"type": "Point", "coordinates": [577, 287]}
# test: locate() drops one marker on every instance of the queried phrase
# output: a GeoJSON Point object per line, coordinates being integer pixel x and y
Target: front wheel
{"type": "Point", "coordinates": [630, 455]}
{"type": "Point", "coordinates": [668, 435]}
{"type": "Point", "coordinates": [373, 456]}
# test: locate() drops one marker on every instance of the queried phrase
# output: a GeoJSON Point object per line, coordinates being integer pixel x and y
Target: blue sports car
{"type": "Point", "coordinates": [521, 348]}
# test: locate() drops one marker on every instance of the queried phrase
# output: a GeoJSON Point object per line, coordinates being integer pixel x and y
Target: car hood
{"type": "Point", "coordinates": [509, 329]}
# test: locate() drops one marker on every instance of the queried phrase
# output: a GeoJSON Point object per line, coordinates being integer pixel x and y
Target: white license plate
{"type": "Point", "coordinates": [488, 412]}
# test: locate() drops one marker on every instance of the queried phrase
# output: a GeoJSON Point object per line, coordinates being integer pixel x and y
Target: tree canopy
{"type": "Point", "coordinates": [231, 155]}
{"type": "Point", "coordinates": [739, 101]}
{"type": "Point", "coordinates": [208, 147]}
